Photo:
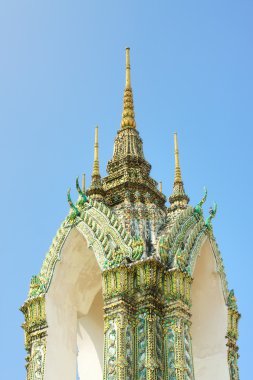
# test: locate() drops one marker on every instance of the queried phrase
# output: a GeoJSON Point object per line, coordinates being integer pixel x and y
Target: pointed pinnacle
{"type": "Point", "coordinates": [178, 197]}
{"type": "Point", "coordinates": [178, 176]}
{"type": "Point", "coordinates": [96, 188]}
{"type": "Point", "coordinates": [96, 158]}
{"type": "Point", "coordinates": [83, 183]}
{"type": "Point", "coordinates": [128, 68]}
{"type": "Point", "coordinates": [128, 117]}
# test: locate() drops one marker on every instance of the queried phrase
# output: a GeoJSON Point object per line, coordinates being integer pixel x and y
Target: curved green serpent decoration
{"type": "Point", "coordinates": [198, 207]}
{"type": "Point", "coordinates": [212, 213]}
{"type": "Point", "coordinates": [84, 198]}
{"type": "Point", "coordinates": [75, 212]}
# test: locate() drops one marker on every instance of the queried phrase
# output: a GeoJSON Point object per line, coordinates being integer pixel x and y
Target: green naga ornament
{"type": "Point", "coordinates": [212, 213]}
{"type": "Point", "coordinates": [198, 209]}
{"type": "Point", "coordinates": [83, 197]}
{"type": "Point", "coordinates": [75, 212]}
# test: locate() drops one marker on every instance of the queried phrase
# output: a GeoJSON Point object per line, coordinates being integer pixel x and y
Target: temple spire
{"type": "Point", "coordinates": [128, 171]}
{"type": "Point", "coordinates": [96, 189]}
{"type": "Point", "coordinates": [178, 197]}
{"type": "Point", "coordinates": [96, 158]}
{"type": "Point", "coordinates": [128, 117]}
{"type": "Point", "coordinates": [178, 176]}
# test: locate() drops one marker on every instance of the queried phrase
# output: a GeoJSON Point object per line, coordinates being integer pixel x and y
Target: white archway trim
{"type": "Point", "coordinates": [201, 239]}
{"type": "Point", "coordinates": [103, 232]}
{"type": "Point", "coordinates": [180, 244]}
{"type": "Point", "coordinates": [209, 318]}
{"type": "Point", "coordinates": [74, 287]}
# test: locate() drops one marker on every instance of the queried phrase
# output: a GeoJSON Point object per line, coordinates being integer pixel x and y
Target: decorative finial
{"type": "Point", "coordinates": [83, 183]}
{"type": "Point", "coordinates": [198, 208]}
{"type": "Point", "coordinates": [212, 213]}
{"type": "Point", "coordinates": [96, 189]}
{"type": "Point", "coordinates": [178, 176]}
{"type": "Point", "coordinates": [178, 197]}
{"type": "Point", "coordinates": [128, 71]}
{"type": "Point", "coordinates": [75, 211]}
{"type": "Point", "coordinates": [231, 300]}
{"type": "Point", "coordinates": [128, 117]}
{"type": "Point", "coordinates": [96, 159]}
{"type": "Point", "coordinates": [82, 196]}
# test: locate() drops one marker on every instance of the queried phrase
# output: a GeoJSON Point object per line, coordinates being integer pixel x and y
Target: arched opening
{"type": "Point", "coordinates": [74, 309]}
{"type": "Point", "coordinates": [89, 338]}
{"type": "Point", "coordinates": [209, 319]}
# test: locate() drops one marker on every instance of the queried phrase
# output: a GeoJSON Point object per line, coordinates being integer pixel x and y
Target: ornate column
{"type": "Point", "coordinates": [119, 344]}
{"type": "Point", "coordinates": [177, 340]}
{"type": "Point", "coordinates": [133, 321]}
{"type": "Point", "coordinates": [232, 336]}
{"type": "Point", "coordinates": [149, 307]}
{"type": "Point", "coordinates": [35, 327]}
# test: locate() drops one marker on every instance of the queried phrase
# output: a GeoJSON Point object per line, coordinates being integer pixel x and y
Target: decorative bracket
{"type": "Point", "coordinates": [212, 213]}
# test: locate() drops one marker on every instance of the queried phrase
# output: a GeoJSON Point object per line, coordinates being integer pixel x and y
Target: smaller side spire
{"type": "Point", "coordinates": [128, 117]}
{"type": "Point", "coordinates": [178, 197]}
{"type": "Point", "coordinates": [96, 189]}
{"type": "Point", "coordinates": [95, 172]}
{"type": "Point", "coordinates": [83, 183]}
{"type": "Point", "coordinates": [178, 176]}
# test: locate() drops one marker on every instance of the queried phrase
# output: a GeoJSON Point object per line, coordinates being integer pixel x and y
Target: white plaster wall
{"type": "Point", "coordinates": [75, 285]}
{"type": "Point", "coordinates": [209, 319]}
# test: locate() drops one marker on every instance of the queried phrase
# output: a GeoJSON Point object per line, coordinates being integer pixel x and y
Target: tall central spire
{"type": "Point", "coordinates": [128, 171]}
{"type": "Point", "coordinates": [128, 117]}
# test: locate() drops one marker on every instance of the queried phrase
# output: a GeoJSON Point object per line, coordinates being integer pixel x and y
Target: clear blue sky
{"type": "Point", "coordinates": [62, 72]}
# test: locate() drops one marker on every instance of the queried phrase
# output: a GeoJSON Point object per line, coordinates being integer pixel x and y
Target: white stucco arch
{"type": "Point", "coordinates": [74, 310]}
{"type": "Point", "coordinates": [209, 318]}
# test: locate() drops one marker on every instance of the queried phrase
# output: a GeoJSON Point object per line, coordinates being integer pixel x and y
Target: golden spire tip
{"type": "Point", "coordinates": [178, 197]}
{"type": "Point", "coordinates": [128, 74]}
{"type": "Point", "coordinates": [178, 177]}
{"type": "Point", "coordinates": [96, 158]}
{"type": "Point", "coordinates": [128, 119]}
